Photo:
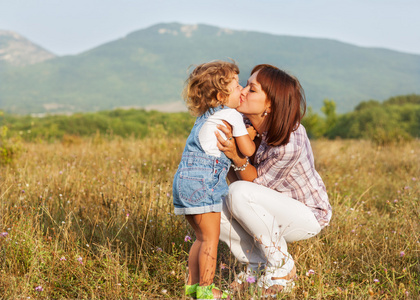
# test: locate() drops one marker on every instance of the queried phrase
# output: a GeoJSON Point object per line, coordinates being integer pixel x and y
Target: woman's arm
{"type": "Point", "coordinates": [249, 172]}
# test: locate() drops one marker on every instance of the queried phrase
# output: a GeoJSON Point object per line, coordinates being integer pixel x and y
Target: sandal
{"type": "Point", "coordinates": [191, 290]}
{"type": "Point", "coordinates": [206, 292]}
{"type": "Point", "coordinates": [273, 285]}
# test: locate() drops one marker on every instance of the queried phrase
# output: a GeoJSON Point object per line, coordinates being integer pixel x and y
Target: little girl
{"type": "Point", "coordinates": [212, 92]}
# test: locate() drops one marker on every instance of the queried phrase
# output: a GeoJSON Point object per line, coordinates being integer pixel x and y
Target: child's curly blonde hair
{"type": "Point", "coordinates": [206, 87]}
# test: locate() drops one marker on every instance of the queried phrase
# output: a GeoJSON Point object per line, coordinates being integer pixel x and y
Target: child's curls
{"type": "Point", "coordinates": [206, 87]}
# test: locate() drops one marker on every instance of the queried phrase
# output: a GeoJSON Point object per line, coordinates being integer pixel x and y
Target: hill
{"type": "Point", "coordinates": [15, 50]}
{"type": "Point", "coordinates": [149, 66]}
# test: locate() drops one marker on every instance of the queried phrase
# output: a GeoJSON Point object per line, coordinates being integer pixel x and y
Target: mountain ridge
{"type": "Point", "coordinates": [16, 50]}
{"type": "Point", "coordinates": [147, 68]}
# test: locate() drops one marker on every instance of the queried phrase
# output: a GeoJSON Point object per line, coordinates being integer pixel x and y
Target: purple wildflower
{"type": "Point", "coordinates": [39, 288]}
{"type": "Point", "coordinates": [250, 279]}
{"type": "Point", "coordinates": [187, 238]}
{"type": "Point", "coordinates": [310, 272]}
{"type": "Point", "coordinates": [402, 253]}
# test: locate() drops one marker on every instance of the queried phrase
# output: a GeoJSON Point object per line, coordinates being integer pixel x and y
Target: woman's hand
{"type": "Point", "coordinates": [227, 146]}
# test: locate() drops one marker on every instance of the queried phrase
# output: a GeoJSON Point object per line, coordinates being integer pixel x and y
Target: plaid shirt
{"type": "Point", "coordinates": [290, 170]}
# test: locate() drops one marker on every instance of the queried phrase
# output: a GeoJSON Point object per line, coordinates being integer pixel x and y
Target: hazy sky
{"type": "Point", "coordinates": [73, 26]}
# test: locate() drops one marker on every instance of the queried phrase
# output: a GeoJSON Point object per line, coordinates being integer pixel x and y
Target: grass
{"type": "Point", "coordinates": [93, 219]}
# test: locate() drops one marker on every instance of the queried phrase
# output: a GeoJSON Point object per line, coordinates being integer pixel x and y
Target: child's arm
{"type": "Point", "coordinates": [245, 144]}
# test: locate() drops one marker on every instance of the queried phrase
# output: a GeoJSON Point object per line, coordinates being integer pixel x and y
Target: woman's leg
{"type": "Point", "coordinates": [207, 229]}
{"type": "Point", "coordinates": [241, 243]}
{"type": "Point", "coordinates": [272, 219]}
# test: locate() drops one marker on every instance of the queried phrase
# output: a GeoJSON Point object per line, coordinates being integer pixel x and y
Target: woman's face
{"type": "Point", "coordinates": [253, 98]}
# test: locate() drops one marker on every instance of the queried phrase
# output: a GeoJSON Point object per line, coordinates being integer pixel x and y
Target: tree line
{"type": "Point", "coordinates": [394, 120]}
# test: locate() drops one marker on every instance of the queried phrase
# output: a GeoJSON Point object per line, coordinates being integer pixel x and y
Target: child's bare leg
{"type": "Point", "coordinates": [193, 265]}
{"type": "Point", "coordinates": [208, 226]}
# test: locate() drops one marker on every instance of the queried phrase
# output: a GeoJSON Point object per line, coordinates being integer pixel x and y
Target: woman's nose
{"type": "Point", "coordinates": [244, 90]}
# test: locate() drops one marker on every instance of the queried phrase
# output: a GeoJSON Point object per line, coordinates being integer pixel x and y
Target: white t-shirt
{"type": "Point", "coordinates": [207, 137]}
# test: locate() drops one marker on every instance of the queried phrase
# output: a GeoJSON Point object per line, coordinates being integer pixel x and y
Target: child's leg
{"type": "Point", "coordinates": [207, 228]}
{"type": "Point", "coordinates": [193, 263]}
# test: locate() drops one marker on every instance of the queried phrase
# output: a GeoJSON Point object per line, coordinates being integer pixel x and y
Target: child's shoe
{"type": "Point", "coordinates": [191, 290]}
{"type": "Point", "coordinates": [206, 292]}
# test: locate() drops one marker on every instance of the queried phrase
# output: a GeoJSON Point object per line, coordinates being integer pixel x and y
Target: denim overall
{"type": "Point", "coordinates": [200, 182]}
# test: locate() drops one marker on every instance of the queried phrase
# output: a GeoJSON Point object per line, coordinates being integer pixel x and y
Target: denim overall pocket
{"type": "Point", "coordinates": [192, 186]}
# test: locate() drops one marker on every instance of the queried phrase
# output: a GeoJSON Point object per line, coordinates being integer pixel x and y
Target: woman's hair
{"type": "Point", "coordinates": [287, 99]}
{"type": "Point", "coordinates": [206, 87]}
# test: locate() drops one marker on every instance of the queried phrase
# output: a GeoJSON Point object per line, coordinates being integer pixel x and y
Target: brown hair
{"type": "Point", "coordinates": [206, 87]}
{"type": "Point", "coordinates": [287, 99]}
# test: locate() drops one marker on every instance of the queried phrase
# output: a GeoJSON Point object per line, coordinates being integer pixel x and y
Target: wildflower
{"type": "Point", "coordinates": [63, 258]}
{"type": "Point", "coordinates": [414, 178]}
{"type": "Point", "coordinates": [222, 266]}
{"type": "Point", "coordinates": [310, 272]}
{"type": "Point", "coordinates": [250, 279]}
{"type": "Point", "coordinates": [353, 231]}
{"type": "Point", "coordinates": [4, 234]}
{"type": "Point", "coordinates": [158, 249]}
{"type": "Point", "coordinates": [187, 238]}
{"type": "Point", "coordinates": [402, 253]}
{"type": "Point", "coordinates": [376, 280]}
{"type": "Point", "coordinates": [80, 260]}
{"type": "Point", "coordinates": [39, 288]}
{"type": "Point", "coordinates": [164, 291]}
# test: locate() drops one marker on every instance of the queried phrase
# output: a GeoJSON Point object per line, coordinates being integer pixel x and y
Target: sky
{"type": "Point", "coordinates": [68, 27]}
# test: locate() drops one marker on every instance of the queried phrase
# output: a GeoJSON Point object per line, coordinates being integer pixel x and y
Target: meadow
{"type": "Point", "coordinates": [92, 218]}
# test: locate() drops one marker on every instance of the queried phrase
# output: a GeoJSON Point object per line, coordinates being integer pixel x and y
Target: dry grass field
{"type": "Point", "coordinates": [93, 219]}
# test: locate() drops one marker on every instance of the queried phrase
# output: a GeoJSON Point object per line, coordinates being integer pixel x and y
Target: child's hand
{"type": "Point", "coordinates": [252, 132]}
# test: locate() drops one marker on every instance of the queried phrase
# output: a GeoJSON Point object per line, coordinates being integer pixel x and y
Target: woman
{"type": "Point", "coordinates": [276, 196]}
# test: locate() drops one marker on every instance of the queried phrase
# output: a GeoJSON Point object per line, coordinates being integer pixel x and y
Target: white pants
{"type": "Point", "coordinates": [257, 222]}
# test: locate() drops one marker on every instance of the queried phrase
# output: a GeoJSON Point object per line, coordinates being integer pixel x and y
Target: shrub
{"type": "Point", "coordinates": [10, 148]}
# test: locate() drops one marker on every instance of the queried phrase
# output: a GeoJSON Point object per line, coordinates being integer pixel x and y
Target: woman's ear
{"type": "Point", "coordinates": [268, 107]}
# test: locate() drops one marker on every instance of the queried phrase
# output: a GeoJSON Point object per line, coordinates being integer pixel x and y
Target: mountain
{"type": "Point", "coordinates": [16, 50]}
{"type": "Point", "coordinates": [148, 68]}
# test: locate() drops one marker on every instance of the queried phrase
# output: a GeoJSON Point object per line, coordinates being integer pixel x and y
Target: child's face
{"type": "Point", "coordinates": [235, 88]}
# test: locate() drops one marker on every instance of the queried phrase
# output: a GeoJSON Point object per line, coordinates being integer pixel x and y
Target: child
{"type": "Point", "coordinates": [212, 92]}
